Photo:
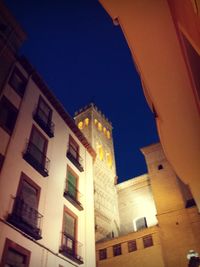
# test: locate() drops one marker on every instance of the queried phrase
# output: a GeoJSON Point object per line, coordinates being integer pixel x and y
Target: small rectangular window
{"type": "Point", "coordinates": [147, 241]}
{"type": "Point", "coordinates": [102, 254]}
{"type": "Point", "coordinates": [15, 255]}
{"type": "Point", "coordinates": [141, 223]}
{"type": "Point", "coordinates": [8, 115]}
{"type": "Point", "coordinates": [117, 250]}
{"type": "Point", "coordinates": [132, 246]}
{"type": "Point", "coordinates": [18, 82]}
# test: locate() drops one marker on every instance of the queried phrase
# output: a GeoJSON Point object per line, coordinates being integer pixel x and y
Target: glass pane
{"type": "Point", "coordinates": [29, 194]}
{"type": "Point", "coordinates": [38, 140]}
{"type": "Point", "coordinates": [14, 259]}
{"type": "Point", "coordinates": [69, 225]}
{"type": "Point", "coordinates": [71, 184]}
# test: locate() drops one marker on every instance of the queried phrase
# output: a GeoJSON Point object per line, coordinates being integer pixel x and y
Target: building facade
{"type": "Point", "coordinates": [98, 131]}
{"type": "Point", "coordinates": [162, 199]}
{"type": "Point", "coordinates": [46, 176]}
{"type": "Point", "coordinates": [163, 37]}
{"type": "Point", "coordinates": [137, 208]}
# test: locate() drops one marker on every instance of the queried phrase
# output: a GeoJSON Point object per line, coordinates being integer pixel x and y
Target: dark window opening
{"type": "Point", "coordinates": [25, 213]}
{"type": "Point", "coordinates": [35, 153]}
{"type": "Point", "coordinates": [160, 167]}
{"type": "Point", "coordinates": [102, 254]}
{"type": "Point", "coordinates": [147, 241]}
{"type": "Point", "coordinates": [15, 255]}
{"type": "Point", "coordinates": [132, 246]}
{"type": "Point", "coordinates": [43, 116]}
{"type": "Point", "coordinates": [141, 223]}
{"type": "Point", "coordinates": [117, 250]}
{"type": "Point", "coordinates": [73, 154]}
{"type": "Point", "coordinates": [18, 82]}
{"type": "Point", "coordinates": [8, 115]}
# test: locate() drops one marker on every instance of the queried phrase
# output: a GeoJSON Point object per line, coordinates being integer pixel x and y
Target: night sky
{"type": "Point", "coordinates": [84, 58]}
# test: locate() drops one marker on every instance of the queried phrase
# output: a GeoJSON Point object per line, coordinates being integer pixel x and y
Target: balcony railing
{"type": "Point", "coordinates": [43, 121]}
{"type": "Point", "coordinates": [75, 158]}
{"type": "Point", "coordinates": [71, 248]}
{"type": "Point", "coordinates": [26, 218]}
{"type": "Point", "coordinates": [73, 195]}
{"type": "Point", "coordinates": [36, 158]}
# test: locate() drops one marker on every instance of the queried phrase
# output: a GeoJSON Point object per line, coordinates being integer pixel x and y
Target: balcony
{"type": "Point", "coordinates": [71, 249]}
{"type": "Point", "coordinates": [37, 159]}
{"type": "Point", "coordinates": [75, 158]}
{"type": "Point", "coordinates": [26, 218]}
{"type": "Point", "coordinates": [73, 195]}
{"type": "Point", "coordinates": [43, 121]}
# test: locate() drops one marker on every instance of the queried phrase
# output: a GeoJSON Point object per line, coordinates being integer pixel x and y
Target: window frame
{"type": "Point", "coordinates": [131, 247]}
{"type": "Point", "coordinates": [147, 241]}
{"type": "Point", "coordinates": [34, 128]}
{"type": "Point", "coordinates": [4, 100]}
{"type": "Point", "coordinates": [102, 254]}
{"type": "Point", "coordinates": [75, 217]}
{"type": "Point", "coordinates": [23, 79]}
{"type": "Point", "coordinates": [72, 143]}
{"type": "Point", "coordinates": [9, 244]}
{"type": "Point", "coordinates": [117, 250]}
{"type": "Point", "coordinates": [70, 170]}
{"type": "Point", "coordinates": [27, 179]}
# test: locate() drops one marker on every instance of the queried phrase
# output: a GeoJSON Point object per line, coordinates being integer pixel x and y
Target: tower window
{"type": "Point", "coordinates": [160, 167]}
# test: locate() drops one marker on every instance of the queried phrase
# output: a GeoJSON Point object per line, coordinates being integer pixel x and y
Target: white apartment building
{"type": "Point", "coordinates": [46, 177]}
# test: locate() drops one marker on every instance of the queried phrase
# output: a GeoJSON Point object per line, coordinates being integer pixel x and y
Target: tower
{"type": "Point", "coordinates": [98, 130]}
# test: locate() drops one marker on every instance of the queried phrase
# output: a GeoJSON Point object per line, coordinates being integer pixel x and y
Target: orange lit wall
{"type": "Point", "coordinates": [157, 33]}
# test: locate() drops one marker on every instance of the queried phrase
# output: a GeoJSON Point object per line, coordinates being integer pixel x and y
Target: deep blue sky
{"type": "Point", "coordinates": [84, 58]}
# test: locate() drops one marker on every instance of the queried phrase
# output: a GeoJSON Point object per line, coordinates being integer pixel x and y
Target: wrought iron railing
{"type": "Point", "coordinates": [26, 218]}
{"type": "Point", "coordinates": [73, 195]}
{"type": "Point", "coordinates": [36, 158]}
{"type": "Point", "coordinates": [71, 248]}
{"type": "Point", "coordinates": [44, 121]}
{"type": "Point", "coordinates": [75, 158]}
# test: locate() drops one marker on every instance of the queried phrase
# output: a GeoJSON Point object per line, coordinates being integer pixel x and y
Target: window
{"type": "Point", "coordinates": [43, 116]}
{"type": "Point", "coordinates": [24, 214]}
{"type": "Point", "coordinates": [15, 255]}
{"type": "Point", "coordinates": [69, 246]}
{"type": "Point", "coordinates": [73, 153]}
{"type": "Point", "coordinates": [117, 250]}
{"type": "Point", "coordinates": [132, 246]}
{"type": "Point", "coordinates": [71, 192]}
{"type": "Point", "coordinates": [35, 153]}
{"type": "Point", "coordinates": [102, 254]}
{"type": "Point", "coordinates": [8, 115]}
{"type": "Point", "coordinates": [141, 223]}
{"type": "Point", "coordinates": [147, 241]}
{"type": "Point", "coordinates": [18, 82]}
{"type": "Point", "coordinates": [160, 167]}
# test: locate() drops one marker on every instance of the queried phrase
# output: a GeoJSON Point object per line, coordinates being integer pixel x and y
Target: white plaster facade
{"type": "Point", "coordinates": [46, 250]}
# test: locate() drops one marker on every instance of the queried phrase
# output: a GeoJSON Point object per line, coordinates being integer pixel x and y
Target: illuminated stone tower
{"type": "Point", "coordinates": [98, 130]}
